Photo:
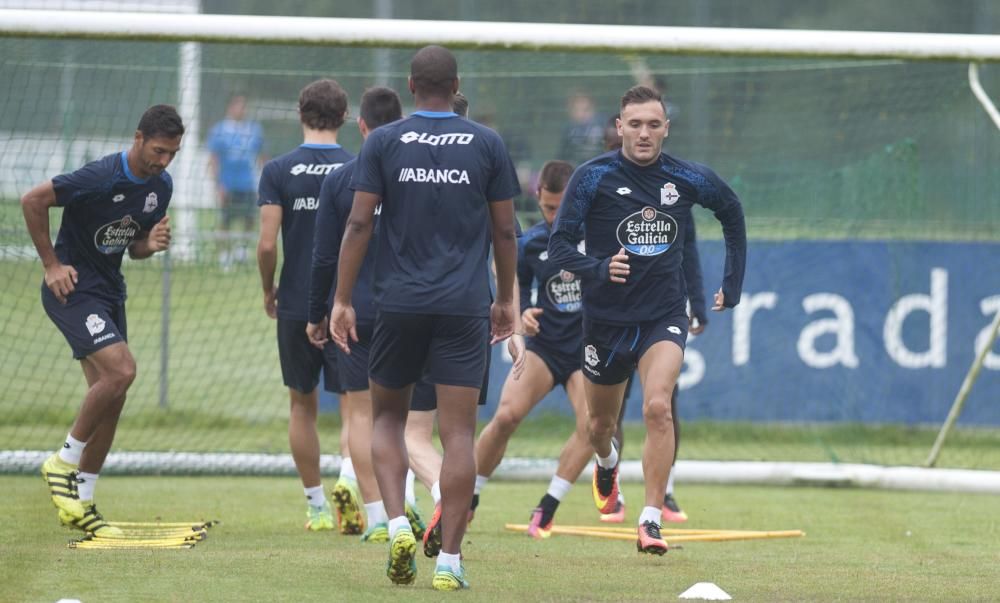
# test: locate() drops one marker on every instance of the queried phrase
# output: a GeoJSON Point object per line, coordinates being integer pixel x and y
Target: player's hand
{"type": "Point", "coordinates": [343, 326]}
{"type": "Point", "coordinates": [271, 302]}
{"type": "Point", "coordinates": [529, 318]}
{"type": "Point", "coordinates": [515, 345]}
{"type": "Point", "coordinates": [159, 236]}
{"type": "Point", "coordinates": [503, 321]}
{"type": "Point", "coordinates": [618, 269]}
{"type": "Point", "coordinates": [318, 333]}
{"type": "Point", "coordinates": [695, 325]}
{"type": "Point", "coordinates": [61, 280]}
{"type": "Point", "coordinates": [720, 301]}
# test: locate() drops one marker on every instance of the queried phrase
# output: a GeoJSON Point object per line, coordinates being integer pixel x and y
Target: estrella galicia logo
{"type": "Point", "coordinates": [563, 290]}
{"type": "Point", "coordinates": [115, 237]}
{"type": "Point", "coordinates": [647, 232]}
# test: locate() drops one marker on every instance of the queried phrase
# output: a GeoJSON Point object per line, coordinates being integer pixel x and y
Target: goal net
{"type": "Point", "coordinates": [870, 188]}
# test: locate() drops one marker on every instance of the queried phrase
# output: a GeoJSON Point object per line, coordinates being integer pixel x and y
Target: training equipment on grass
{"type": "Point", "coordinates": [148, 535]}
{"type": "Point", "coordinates": [706, 591]}
{"type": "Point", "coordinates": [671, 536]}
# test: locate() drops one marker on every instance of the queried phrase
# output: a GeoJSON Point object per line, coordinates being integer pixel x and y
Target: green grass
{"type": "Point", "coordinates": [860, 545]}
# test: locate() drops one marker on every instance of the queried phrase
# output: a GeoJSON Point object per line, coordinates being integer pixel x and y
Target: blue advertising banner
{"type": "Point", "coordinates": [873, 332]}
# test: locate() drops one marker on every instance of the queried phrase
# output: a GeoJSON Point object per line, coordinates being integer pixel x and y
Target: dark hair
{"type": "Point", "coordinates": [611, 138]}
{"type": "Point", "coordinates": [460, 104]}
{"type": "Point", "coordinates": [323, 105]}
{"type": "Point", "coordinates": [434, 71]}
{"type": "Point", "coordinates": [555, 174]}
{"type": "Point", "coordinates": [637, 95]}
{"type": "Point", "coordinates": [380, 106]}
{"type": "Point", "coordinates": [161, 121]}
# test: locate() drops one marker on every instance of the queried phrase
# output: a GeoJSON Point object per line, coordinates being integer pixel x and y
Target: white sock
{"type": "Point", "coordinates": [411, 496]}
{"type": "Point", "coordinates": [558, 487]}
{"type": "Point", "coordinates": [650, 514]}
{"type": "Point", "coordinates": [611, 460]}
{"type": "Point", "coordinates": [347, 469]}
{"type": "Point", "coordinates": [436, 493]}
{"type": "Point", "coordinates": [670, 483]}
{"type": "Point", "coordinates": [375, 511]}
{"type": "Point", "coordinates": [85, 483]}
{"type": "Point", "coordinates": [71, 450]}
{"type": "Point", "coordinates": [449, 560]}
{"type": "Point", "coordinates": [315, 495]}
{"type": "Point", "coordinates": [621, 493]}
{"type": "Point", "coordinates": [480, 483]}
{"type": "Point", "coordinates": [398, 523]}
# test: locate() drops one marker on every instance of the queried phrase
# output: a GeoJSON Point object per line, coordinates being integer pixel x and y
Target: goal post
{"type": "Point", "coordinates": [864, 162]}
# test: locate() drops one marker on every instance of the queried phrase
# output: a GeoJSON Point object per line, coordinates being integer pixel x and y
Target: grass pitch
{"type": "Point", "coordinates": [860, 545]}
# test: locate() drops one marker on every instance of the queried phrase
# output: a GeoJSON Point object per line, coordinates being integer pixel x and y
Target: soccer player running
{"type": "Point", "coordinates": [288, 192]}
{"type": "Point", "coordinates": [111, 205]}
{"type": "Point", "coordinates": [445, 185]}
{"type": "Point", "coordinates": [631, 207]}
{"type": "Point", "coordinates": [379, 106]}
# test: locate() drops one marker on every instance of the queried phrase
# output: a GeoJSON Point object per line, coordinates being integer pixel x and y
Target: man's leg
{"type": "Point", "coordinates": [517, 399]}
{"type": "Point", "coordinates": [457, 408]}
{"type": "Point", "coordinates": [671, 510]}
{"type": "Point", "coordinates": [303, 440]}
{"type": "Point", "coordinates": [573, 459]}
{"type": "Point", "coordinates": [425, 460]}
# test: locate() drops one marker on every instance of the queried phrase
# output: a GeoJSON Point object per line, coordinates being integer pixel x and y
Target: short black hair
{"type": "Point", "coordinates": [323, 105]}
{"type": "Point", "coordinates": [636, 95]}
{"type": "Point", "coordinates": [555, 174]}
{"type": "Point", "coordinates": [380, 106]}
{"type": "Point", "coordinates": [460, 104]}
{"type": "Point", "coordinates": [161, 121]}
{"type": "Point", "coordinates": [434, 71]}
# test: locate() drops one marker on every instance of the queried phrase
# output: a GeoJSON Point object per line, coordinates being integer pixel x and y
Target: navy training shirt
{"type": "Point", "coordinates": [435, 173]}
{"type": "Point", "coordinates": [106, 207]}
{"type": "Point", "coordinates": [293, 181]}
{"type": "Point", "coordinates": [335, 201]}
{"type": "Point", "coordinates": [558, 292]}
{"type": "Point", "coordinates": [610, 202]}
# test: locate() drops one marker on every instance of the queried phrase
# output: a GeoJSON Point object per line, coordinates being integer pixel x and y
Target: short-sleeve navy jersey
{"type": "Point", "coordinates": [335, 201]}
{"type": "Point", "coordinates": [106, 207]}
{"type": "Point", "coordinates": [610, 202]}
{"type": "Point", "coordinates": [435, 173]}
{"type": "Point", "coordinates": [558, 291]}
{"type": "Point", "coordinates": [293, 181]}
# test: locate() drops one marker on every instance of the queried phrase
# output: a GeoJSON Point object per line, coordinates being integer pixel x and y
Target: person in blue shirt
{"type": "Point", "coordinates": [236, 147]}
{"type": "Point", "coordinates": [379, 106]}
{"type": "Point", "coordinates": [632, 207]}
{"type": "Point", "coordinates": [113, 205]}
{"type": "Point", "coordinates": [288, 198]}
{"type": "Point", "coordinates": [445, 187]}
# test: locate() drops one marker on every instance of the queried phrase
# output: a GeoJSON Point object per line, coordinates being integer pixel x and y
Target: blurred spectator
{"type": "Point", "coordinates": [582, 138]}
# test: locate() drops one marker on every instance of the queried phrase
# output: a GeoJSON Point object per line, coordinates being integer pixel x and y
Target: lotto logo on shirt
{"type": "Point", "coordinates": [444, 176]}
{"type": "Point", "coordinates": [115, 237]}
{"type": "Point", "coordinates": [647, 232]}
{"type": "Point", "coordinates": [436, 139]}
{"type": "Point", "coordinates": [563, 290]}
{"type": "Point", "coordinates": [314, 169]}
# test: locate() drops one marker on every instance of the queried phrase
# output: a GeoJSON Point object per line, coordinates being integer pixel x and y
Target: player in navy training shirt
{"type": "Point", "coordinates": [632, 207]}
{"type": "Point", "coordinates": [288, 197]}
{"type": "Point", "coordinates": [444, 184]}
{"type": "Point", "coordinates": [379, 106]}
{"type": "Point", "coordinates": [111, 205]}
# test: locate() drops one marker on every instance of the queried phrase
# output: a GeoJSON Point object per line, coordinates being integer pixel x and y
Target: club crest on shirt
{"type": "Point", "coordinates": [564, 292]}
{"type": "Point", "coordinates": [669, 194]}
{"type": "Point", "coordinates": [151, 203]}
{"type": "Point", "coordinates": [115, 237]}
{"type": "Point", "coordinates": [647, 232]}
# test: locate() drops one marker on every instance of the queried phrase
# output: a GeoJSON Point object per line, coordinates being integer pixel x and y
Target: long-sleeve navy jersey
{"type": "Point", "coordinates": [611, 203]}
{"type": "Point", "coordinates": [435, 174]}
{"type": "Point", "coordinates": [106, 209]}
{"type": "Point", "coordinates": [293, 181]}
{"type": "Point", "coordinates": [335, 201]}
